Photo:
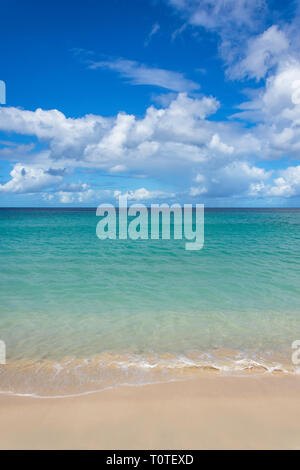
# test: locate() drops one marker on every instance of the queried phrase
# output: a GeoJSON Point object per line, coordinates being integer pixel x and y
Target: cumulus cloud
{"type": "Point", "coordinates": [263, 52]}
{"type": "Point", "coordinates": [25, 179]}
{"type": "Point", "coordinates": [83, 193]}
{"type": "Point", "coordinates": [276, 110]}
{"type": "Point", "coordinates": [216, 143]}
{"type": "Point", "coordinates": [235, 179]}
{"type": "Point", "coordinates": [286, 185]}
{"type": "Point", "coordinates": [66, 135]}
{"type": "Point", "coordinates": [143, 194]}
{"type": "Point", "coordinates": [121, 142]}
{"type": "Point", "coordinates": [179, 144]}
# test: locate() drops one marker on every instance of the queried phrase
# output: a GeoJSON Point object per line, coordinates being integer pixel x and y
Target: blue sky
{"type": "Point", "coordinates": [165, 101]}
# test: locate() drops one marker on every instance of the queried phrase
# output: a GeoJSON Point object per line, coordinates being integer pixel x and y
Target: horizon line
{"type": "Point", "coordinates": [148, 207]}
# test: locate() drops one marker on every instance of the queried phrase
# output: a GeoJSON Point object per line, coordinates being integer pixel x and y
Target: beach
{"type": "Point", "coordinates": [208, 412]}
{"type": "Point", "coordinates": [122, 344]}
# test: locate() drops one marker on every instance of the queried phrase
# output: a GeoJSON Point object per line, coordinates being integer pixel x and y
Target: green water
{"type": "Point", "coordinates": [66, 295]}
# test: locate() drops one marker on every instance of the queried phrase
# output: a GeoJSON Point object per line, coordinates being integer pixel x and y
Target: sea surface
{"type": "Point", "coordinates": [80, 314]}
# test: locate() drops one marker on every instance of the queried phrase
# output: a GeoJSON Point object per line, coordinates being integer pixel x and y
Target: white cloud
{"type": "Point", "coordinates": [154, 30]}
{"type": "Point", "coordinates": [66, 135]}
{"type": "Point", "coordinates": [143, 194]}
{"type": "Point", "coordinates": [81, 194]}
{"type": "Point", "coordinates": [248, 45]}
{"type": "Point", "coordinates": [216, 143]}
{"type": "Point", "coordinates": [11, 151]}
{"type": "Point", "coordinates": [233, 20]}
{"type": "Point", "coordinates": [140, 74]}
{"type": "Point", "coordinates": [287, 184]}
{"type": "Point", "coordinates": [64, 197]}
{"type": "Point", "coordinates": [118, 169]}
{"type": "Point", "coordinates": [178, 31]}
{"type": "Point", "coordinates": [235, 179]}
{"type": "Point", "coordinates": [47, 196]}
{"type": "Point", "coordinates": [220, 14]}
{"type": "Point", "coordinates": [25, 179]}
{"type": "Point", "coordinates": [279, 101]}
{"type": "Point", "coordinates": [262, 53]}
{"type": "Point", "coordinates": [177, 145]}
{"type": "Point", "coordinates": [123, 141]}
{"type": "Point", "coordinates": [276, 112]}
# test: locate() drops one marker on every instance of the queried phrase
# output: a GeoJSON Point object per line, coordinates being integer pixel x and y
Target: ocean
{"type": "Point", "coordinates": [79, 314]}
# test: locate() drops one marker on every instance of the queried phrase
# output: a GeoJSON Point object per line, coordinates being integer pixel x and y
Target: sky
{"type": "Point", "coordinates": [189, 101]}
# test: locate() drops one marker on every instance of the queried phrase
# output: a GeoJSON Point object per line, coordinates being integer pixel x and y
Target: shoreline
{"type": "Point", "coordinates": [207, 412]}
{"type": "Point", "coordinates": [199, 375]}
{"type": "Point", "coordinates": [72, 377]}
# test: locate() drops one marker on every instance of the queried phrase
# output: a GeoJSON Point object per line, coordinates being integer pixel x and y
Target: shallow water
{"type": "Point", "coordinates": [78, 313]}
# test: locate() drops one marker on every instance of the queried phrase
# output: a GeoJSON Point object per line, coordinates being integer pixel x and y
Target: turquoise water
{"type": "Point", "coordinates": [79, 314]}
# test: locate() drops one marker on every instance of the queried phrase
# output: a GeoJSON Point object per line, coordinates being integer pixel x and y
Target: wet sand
{"type": "Point", "coordinates": [210, 412]}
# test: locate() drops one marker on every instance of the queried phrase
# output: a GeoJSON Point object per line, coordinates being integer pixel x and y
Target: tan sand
{"type": "Point", "coordinates": [211, 412]}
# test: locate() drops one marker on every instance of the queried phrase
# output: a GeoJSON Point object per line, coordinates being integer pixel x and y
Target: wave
{"type": "Point", "coordinates": [73, 376]}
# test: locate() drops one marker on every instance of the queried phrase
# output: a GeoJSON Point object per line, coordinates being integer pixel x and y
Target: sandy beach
{"type": "Point", "coordinates": [210, 412]}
